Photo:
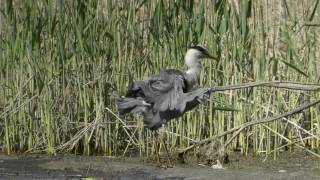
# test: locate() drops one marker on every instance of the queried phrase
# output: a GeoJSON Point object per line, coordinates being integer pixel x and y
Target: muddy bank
{"type": "Point", "coordinates": [77, 167]}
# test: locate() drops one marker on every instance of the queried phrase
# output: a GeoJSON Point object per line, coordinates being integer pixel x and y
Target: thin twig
{"type": "Point", "coordinates": [311, 24]}
{"type": "Point", "coordinates": [245, 125]}
{"type": "Point", "coordinates": [248, 124]}
{"type": "Point", "coordinates": [125, 127]}
{"type": "Point", "coordinates": [277, 84]}
{"type": "Point", "coordinates": [289, 141]}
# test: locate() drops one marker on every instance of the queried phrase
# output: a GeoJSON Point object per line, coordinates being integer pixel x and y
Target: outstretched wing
{"type": "Point", "coordinates": [160, 98]}
{"type": "Point", "coordinates": [165, 89]}
{"type": "Point", "coordinates": [160, 92]}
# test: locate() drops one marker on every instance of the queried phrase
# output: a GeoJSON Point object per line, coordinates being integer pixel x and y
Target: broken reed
{"type": "Point", "coordinates": [64, 62]}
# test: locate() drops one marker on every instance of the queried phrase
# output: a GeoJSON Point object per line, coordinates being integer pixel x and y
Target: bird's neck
{"type": "Point", "coordinates": [193, 73]}
{"type": "Point", "coordinates": [194, 67]}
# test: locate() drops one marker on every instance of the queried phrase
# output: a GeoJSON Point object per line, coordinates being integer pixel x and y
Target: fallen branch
{"type": "Point", "coordinates": [277, 84]}
{"type": "Point", "coordinates": [246, 125]}
{"type": "Point", "coordinates": [289, 141]}
{"type": "Point", "coordinates": [311, 24]}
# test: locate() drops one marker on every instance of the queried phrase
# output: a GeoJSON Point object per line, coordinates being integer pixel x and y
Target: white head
{"type": "Point", "coordinates": [195, 54]}
{"type": "Point", "coordinates": [193, 59]}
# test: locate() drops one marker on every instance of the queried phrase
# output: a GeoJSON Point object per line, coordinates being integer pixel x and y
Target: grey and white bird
{"type": "Point", "coordinates": [169, 94]}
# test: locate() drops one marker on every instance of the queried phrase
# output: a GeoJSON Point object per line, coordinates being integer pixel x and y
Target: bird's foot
{"type": "Point", "coordinates": [204, 97]}
{"type": "Point", "coordinates": [145, 103]}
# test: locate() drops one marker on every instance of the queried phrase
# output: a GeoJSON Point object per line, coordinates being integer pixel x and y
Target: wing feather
{"type": "Point", "coordinates": [166, 89]}
{"type": "Point", "coordinates": [160, 98]}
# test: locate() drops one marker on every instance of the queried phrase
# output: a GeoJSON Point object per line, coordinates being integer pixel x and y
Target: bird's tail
{"type": "Point", "coordinates": [131, 105]}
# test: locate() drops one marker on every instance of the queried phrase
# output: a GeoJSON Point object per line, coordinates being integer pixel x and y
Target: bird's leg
{"type": "Point", "coordinates": [199, 95]}
{"type": "Point", "coordinates": [168, 154]}
{"type": "Point", "coordinates": [157, 148]}
{"type": "Point", "coordinates": [204, 95]}
{"type": "Point", "coordinates": [194, 98]}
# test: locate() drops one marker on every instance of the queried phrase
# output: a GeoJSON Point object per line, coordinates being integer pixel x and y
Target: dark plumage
{"type": "Point", "coordinates": [166, 95]}
{"type": "Point", "coordinates": [160, 98]}
{"type": "Point", "coordinates": [199, 48]}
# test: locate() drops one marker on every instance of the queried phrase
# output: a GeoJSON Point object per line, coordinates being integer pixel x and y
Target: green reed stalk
{"type": "Point", "coordinates": [63, 62]}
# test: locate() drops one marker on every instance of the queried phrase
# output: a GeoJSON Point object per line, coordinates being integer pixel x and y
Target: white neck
{"type": "Point", "coordinates": [194, 66]}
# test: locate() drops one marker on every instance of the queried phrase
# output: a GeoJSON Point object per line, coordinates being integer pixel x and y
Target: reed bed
{"type": "Point", "coordinates": [64, 62]}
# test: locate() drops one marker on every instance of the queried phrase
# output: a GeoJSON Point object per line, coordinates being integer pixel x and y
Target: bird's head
{"type": "Point", "coordinates": [195, 54]}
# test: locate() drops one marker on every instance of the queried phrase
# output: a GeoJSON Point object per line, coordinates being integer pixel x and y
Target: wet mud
{"type": "Point", "coordinates": [290, 166]}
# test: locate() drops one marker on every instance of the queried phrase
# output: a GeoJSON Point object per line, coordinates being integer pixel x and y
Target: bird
{"type": "Point", "coordinates": [168, 94]}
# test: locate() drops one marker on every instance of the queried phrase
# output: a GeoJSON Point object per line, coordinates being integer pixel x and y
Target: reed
{"type": "Point", "coordinates": [64, 62]}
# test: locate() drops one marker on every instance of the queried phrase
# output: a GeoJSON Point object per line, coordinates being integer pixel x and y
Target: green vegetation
{"type": "Point", "coordinates": [62, 63]}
